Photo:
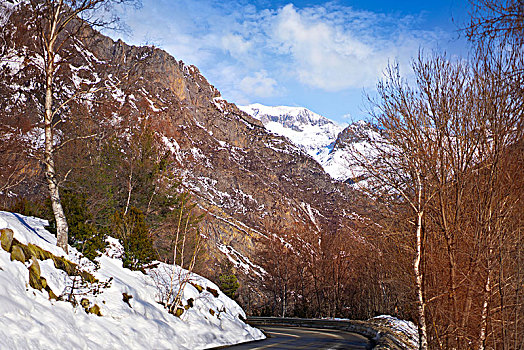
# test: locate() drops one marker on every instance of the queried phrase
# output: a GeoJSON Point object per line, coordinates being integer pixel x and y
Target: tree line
{"type": "Point", "coordinates": [94, 175]}
{"type": "Point", "coordinates": [444, 246]}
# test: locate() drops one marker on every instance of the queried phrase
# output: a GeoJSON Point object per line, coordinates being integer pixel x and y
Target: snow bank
{"type": "Point", "coordinates": [402, 330]}
{"type": "Point", "coordinates": [29, 320]}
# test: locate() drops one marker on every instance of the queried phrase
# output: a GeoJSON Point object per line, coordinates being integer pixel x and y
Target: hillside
{"type": "Point", "coordinates": [38, 319]}
{"type": "Point", "coordinates": [247, 180]}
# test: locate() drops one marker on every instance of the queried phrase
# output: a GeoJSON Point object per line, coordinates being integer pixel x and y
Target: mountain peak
{"type": "Point", "coordinates": [291, 117]}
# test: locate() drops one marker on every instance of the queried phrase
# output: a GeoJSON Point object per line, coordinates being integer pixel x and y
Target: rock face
{"type": "Point", "coordinates": [246, 178]}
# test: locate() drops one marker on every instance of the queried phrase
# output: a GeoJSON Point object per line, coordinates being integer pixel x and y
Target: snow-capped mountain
{"type": "Point", "coordinates": [339, 162]}
{"type": "Point", "coordinates": [327, 142]}
{"type": "Point", "coordinates": [313, 133]}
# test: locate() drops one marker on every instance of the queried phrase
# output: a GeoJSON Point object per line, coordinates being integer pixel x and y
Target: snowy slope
{"type": "Point", "coordinates": [311, 132]}
{"type": "Point", "coordinates": [29, 320]}
{"type": "Point", "coordinates": [327, 142]}
{"type": "Point", "coordinates": [340, 163]}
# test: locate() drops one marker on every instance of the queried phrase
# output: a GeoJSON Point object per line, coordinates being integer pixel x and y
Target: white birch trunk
{"type": "Point", "coordinates": [484, 315]}
{"type": "Point", "coordinates": [50, 169]}
{"type": "Point", "coordinates": [421, 304]}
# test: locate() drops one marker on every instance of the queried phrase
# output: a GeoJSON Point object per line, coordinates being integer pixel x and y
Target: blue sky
{"type": "Point", "coordinates": [316, 54]}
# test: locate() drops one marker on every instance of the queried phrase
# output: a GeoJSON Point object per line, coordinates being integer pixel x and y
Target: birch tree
{"type": "Point", "coordinates": [399, 167]}
{"type": "Point", "coordinates": [58, 22]}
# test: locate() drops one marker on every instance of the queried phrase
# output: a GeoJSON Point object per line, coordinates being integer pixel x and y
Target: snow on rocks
{"type": "Point", "coordinates": [29, 319]}
{"type": "Point", "coordinates": [405, 332]}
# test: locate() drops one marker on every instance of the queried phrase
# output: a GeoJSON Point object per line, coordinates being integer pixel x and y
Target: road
{"type": "Point", "coordinates": [285, 337]}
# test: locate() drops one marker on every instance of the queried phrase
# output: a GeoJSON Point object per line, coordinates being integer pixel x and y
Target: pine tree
{"type": "Point", "coordinates": [132, 230]}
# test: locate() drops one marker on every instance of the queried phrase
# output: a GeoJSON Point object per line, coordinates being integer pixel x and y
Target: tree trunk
{"type": "Point", "coordinates": [50, 170]}
{"type": "Point", "coordinates": [484, 317]}
{"type": "Point", "coordinates": [421, 304]}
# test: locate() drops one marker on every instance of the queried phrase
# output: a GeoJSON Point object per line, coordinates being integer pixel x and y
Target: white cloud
{"type": "Point", "coordinates": [330, 53]}
{"type": "Point", "coordinates": [235, 44]}
{"type": "Point", "coordinates": [250, 53]}
{"type": "Point", "coordinates": [259, 85]}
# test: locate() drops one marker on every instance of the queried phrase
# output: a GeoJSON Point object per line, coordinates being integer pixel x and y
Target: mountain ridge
{"type": "Point", "coordinates": [247, 180]}
{"type": "Point", "coordinates": [323, 139]}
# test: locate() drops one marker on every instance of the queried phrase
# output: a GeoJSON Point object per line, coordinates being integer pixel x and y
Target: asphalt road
{"type": "Point", "coordinates": [282, 337]}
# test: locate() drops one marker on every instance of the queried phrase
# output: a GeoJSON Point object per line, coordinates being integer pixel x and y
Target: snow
{"type": "Point", "coordinates": [316, 136]}
{"type": "Point", "coordinates": [6, 8]}
{"type": "Point", "coordinates": [312, 132]}
{"type": "Point", "coordinates": [29, 320]}
{"type": "Point", "coordinates": [406, 329]}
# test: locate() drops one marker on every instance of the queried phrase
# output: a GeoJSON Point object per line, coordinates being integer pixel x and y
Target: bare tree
{"type": "Point", "coordinates": [400, 168]}
{"type": "Point", "coordinates": [442, 155]}
{"type": "Point", "coordinates": [57, 22]}
{"type": "Point", "coordinates": [496, 19]}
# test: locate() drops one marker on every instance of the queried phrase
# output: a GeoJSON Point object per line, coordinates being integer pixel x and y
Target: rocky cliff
{"type": "Point", "coordinates": [245, 178]}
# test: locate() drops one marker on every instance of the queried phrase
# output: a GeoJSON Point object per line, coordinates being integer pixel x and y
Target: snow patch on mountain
{"type": "Point", "coordinates": [353, 140]}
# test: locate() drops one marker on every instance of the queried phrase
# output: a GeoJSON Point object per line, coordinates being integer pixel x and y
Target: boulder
{"type": "Point", "coordinates": [17, 254]}
{"type": "Point", "coordinates": [35, 266]}
{"type": "Point", "coordinates": [85, 303]}
{"type": "Point", "coordinates": [95, 309]}
{"type": "Point", "coordinates": [6, 237]}
{"type": "Point", "coordinates": [35, 281]}
{"type": "Point", "coordinates": [179, 312]}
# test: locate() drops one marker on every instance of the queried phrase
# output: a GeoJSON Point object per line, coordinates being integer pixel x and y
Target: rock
{"type": "Point", "coordinates": [35, 281]}
{"type": "Point", "coordinates": [6, 236]}
{"type": "Point", "coordinates": [95, 309]}
{"type": "Point", "coordinates": [85, 303]}
{"type": "Point", "coordinates": [212, 291]}
{"type": "Point", "coordinates": [197, 286]}
{"type": "Point", "coordinates": [43, 281]}
{"type": "Point", "coordinates": [17, 254]}
{"type": "Point", "coordinates": [179, 312]}
{"type": "Point", "coordinates": [35, 266]}
{"type": "Point", "coordinates": [52, 295]}
{"type": "Point", "coordinates": [38, 252]}
{"type": "Point", "coordinates": [126, 297]}
{"type": "Point", "coordinates": [212, 312]}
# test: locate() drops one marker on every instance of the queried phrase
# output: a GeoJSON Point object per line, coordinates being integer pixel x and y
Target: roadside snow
{"type": "Point", "coordinates": [29, 320]}
{"type": "Point", "coordinates": [405, 330]}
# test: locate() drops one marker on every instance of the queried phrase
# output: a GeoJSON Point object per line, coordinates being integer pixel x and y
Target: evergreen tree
{"type": "Point", "coordinates": [228, 281]}
{"type": "Point", "coordinates": [83, 233]}
{"type": "Point", "coordinates": [132, 230]}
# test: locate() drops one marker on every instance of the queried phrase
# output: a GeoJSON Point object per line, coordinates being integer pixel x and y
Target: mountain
{"type": "Point", "coordinates": [311, 132]}
{"type": "Point", "coordinates": [339, 162]}
{"type": "Point", "coordinates": [247, 180]}
{"type": "Point", "coordinates": [327, 142]}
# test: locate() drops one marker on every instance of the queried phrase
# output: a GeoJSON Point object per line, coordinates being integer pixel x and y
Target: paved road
{"type": "Point", "coordinates": [282, 337]}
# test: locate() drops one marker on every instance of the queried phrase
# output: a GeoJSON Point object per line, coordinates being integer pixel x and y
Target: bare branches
{"type": "Point", "coordinates": [497, 19]}
{"type": "Point", "coordinates": [443, 148]}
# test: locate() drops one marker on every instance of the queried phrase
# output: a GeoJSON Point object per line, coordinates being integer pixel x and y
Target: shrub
{"type": "Point", "coordinates": [132, 230]}
{"type": "Point", "coordinates": [229, 284]}
{"type": "Point", "coordinates": [83, 233]}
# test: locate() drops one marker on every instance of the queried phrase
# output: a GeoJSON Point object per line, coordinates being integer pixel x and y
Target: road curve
{"type": "Point", "coordinates": [286, 337]}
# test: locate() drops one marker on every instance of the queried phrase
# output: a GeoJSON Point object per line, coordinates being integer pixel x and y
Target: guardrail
{"type": "Point", "coordinates": [379, 336]}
